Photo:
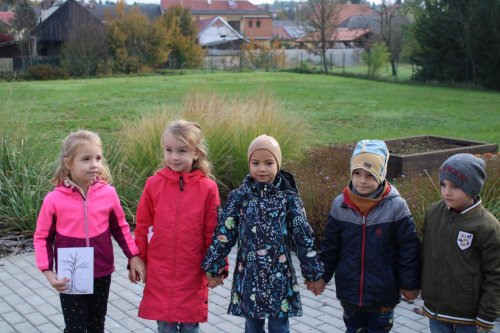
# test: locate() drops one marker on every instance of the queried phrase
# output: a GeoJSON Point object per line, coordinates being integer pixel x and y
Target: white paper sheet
{"type": "Point", "coordinates": [76, 264]}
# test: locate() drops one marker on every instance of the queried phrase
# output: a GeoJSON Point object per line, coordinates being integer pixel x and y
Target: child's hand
{"type": "Point", "coordinates": [137, 270]}
{"type": "Point", "coordinates": [214, 281]}
{"type": "Point", "coordinates": [59, 285]}
{"type": "Point", "coordinates": [409, 295]}
{"type": "Point", "coordinates": [316, 287]}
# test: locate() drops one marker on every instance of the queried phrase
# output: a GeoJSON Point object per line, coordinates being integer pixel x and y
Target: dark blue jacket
{"type": "Point", "coordinates": [372, 256]}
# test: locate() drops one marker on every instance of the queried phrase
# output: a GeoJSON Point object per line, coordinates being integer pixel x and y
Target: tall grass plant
{"type": "Point", "coordinates": [24, 180]}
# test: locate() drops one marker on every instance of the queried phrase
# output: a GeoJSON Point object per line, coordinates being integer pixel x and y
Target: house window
{"type": "Point", "coordinates": [250, 23]}
{"type": "Point", "coordinates": [235, 25]}
{"type": "Point", "coordinates": [258, 24]}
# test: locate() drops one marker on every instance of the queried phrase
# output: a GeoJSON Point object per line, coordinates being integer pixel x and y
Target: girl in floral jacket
{"type": "Point", "coordinates": [265, 216]}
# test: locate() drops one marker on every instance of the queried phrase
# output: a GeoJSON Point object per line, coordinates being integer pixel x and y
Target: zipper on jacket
{"type": "Point", "coordinates": [181, 184]}
{"type": "Point", "coordinates": [86, 222]}
{"type": "Point", "coordinates": [363, 244]}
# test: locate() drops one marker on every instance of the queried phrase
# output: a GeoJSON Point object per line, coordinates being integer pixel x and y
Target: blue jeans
{"type": "Point", "coordinates": [274, 325]}
{"type": "Point", "coordinates": [166, 327]}
{"type": "Point", "coordinates": [371, 322]}
{"type": "Point", "coordinates": [437, 326]}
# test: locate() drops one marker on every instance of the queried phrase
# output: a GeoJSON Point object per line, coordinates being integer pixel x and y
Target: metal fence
{"type": "Point", "coordinates": [280, 59]}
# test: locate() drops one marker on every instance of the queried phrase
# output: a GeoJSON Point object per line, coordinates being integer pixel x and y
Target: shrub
{"type": "Point", "coordinates": [324, 172]}
{"type": "Point", "coordinates": [375, 58]}
{"type": "Point", "coordinates": [45, 72]}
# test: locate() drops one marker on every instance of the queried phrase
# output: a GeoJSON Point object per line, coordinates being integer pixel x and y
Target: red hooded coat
{"type": "Point", "coordinates": [182, 209]}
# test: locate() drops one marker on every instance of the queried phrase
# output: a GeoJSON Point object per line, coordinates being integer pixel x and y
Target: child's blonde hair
{"type": "Point", "coordinates": [68, 149]}
{"type": "Point", "coordinates": [190, 133]}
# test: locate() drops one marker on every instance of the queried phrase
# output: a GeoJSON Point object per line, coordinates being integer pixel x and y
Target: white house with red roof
{"type": "Point", "coordinates": [246, 19]}
{"type": "Point", "coordinates": [215, 32]}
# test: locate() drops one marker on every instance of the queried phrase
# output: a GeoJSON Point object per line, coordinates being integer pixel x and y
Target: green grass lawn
{"type": "Point", "coordinates": [337, 109]}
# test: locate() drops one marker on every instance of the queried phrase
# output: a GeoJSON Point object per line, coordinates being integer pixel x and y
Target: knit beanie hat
{"type": "Point", "coordinates": [465, 171]}
{"type": "Point", "coordinates": [268, 143]}
{"type": "Point", "coordinates": [372, 156]}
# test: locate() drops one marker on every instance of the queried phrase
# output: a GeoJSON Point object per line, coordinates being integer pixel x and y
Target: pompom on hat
{"type": "Point", "coordinates": [372, 156]}
{"type": "Point", "coordinates": [465, 171]}
{"type": "Point", "coordinates": [268, 143]}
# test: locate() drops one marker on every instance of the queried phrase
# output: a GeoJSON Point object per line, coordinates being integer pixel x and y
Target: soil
{"type": "Point", "coordinates": [421, 145]}
{"type": "Point", "coordinates": [14, 243]}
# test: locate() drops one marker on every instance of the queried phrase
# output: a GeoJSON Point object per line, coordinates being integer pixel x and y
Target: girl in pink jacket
{"type": "Point", "coordinates": [180, 204]}
{"type": "Point", "coordinates": [83, 211]}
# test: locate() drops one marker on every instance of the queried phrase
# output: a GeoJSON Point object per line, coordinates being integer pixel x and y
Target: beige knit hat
{"type": "Point", "coordinates": [268, 143]}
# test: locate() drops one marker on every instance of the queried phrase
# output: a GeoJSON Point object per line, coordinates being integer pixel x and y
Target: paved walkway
{"type": "Point", "coordinates": [28, 304]}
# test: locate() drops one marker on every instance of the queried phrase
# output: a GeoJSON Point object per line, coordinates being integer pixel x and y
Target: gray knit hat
{"type": "Point", "coordinates": [465, 171]}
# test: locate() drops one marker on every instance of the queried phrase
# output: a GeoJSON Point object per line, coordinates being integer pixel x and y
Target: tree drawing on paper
{"type": "Point", "coordinates": [72, 265]}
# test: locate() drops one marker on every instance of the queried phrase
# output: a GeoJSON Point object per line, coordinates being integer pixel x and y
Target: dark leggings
{"type": "Point", "coordinates": [87, 313]}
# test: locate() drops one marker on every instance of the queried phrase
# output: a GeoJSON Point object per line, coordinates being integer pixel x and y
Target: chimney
{"type": "Point", "coordinates": [209, 2]}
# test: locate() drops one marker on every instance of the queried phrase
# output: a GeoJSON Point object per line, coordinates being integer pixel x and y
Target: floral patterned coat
{"type": "Point", "coordinates": [267, 221]}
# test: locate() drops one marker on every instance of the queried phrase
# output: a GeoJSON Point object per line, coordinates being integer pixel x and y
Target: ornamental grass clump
{"type": "Point", "coordinates": [229, 125]}
{"type": "Point", "coordinates": [24, 180]}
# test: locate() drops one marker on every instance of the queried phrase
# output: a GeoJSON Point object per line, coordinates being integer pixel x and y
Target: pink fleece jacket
{"type": "Point", "coordinates": [62, 219]}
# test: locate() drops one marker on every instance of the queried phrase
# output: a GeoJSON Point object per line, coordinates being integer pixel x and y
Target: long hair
{"type": "Point", "coordinates": [190, 133]}
{"type": "Point", "coordinates": [68, 149]}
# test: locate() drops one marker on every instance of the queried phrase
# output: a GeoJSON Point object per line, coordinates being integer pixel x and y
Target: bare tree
{"type": "Point", "coordinates": [321, 19]}
{"type": "Point", "coordinates": [72, 266]}
{"type": "Point", "coordinates": [391, 20]}
{"type": "Point", "coordinates": [24, 22]}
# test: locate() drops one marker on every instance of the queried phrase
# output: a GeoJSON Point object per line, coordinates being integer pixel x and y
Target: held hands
{"type": "Point", "coordinates": [409, 295]}
{"type": "Point", "coordinates": [316, 287]}
{"type": "Point", "coordinates": [137, 270]}
{"type": "Point", "coordinates": [214, 281]}
{"type": "Point", "coordinates": [59, 285]}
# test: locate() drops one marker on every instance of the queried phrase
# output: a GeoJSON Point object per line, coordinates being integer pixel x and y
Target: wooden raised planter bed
{"type": "Point", "coordinates": [428, 152]}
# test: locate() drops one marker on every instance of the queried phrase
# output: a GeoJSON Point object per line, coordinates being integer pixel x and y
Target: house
{"type": "Point", "coordinates": [355, 26]}
{"type": "Point", "coordinates": [6, 29]}
{"type": "Point", "coordinates": [217, 33]}
{"type": "Point", "coordinates": [246, 19]}
{"type": "Point", "coordinates": [66, 20]}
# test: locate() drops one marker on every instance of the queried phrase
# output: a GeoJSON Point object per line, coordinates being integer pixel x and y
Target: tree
{"type": "Point", "coordinates": [23, 23]}
{"type": "Point", "coordinates": [135, 43]}
{"type": "Point", "coordinates": [459, 41]}
{"type": "Point", "coordinates": [392, 21]}
{"type": "Point", "coordinates": [320, 18]}
{"type": "Point", "coordinates": [375, 58]}
{"type": "Point", "coordinates": [183, 36]}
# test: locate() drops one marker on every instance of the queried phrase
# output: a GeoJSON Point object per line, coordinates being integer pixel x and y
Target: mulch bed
{"type": "Point", "coordinates": [14, 243]}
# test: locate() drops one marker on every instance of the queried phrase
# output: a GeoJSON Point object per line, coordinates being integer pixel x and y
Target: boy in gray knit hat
{"type": "Point", "coordinates": [461, 252]}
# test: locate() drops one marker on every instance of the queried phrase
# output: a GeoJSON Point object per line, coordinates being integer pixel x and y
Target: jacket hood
{"type": "Point", "coordinates": [284, 181]}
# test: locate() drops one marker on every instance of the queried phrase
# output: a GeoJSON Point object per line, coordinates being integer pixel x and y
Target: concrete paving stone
{"type": "Point", "coordinates": [23, 291]}
{"type": "Point", "coordinates": [46, 292]}
{"type": "Point", "coordinates": [123, 305]}
{"type": "Point", "coordinates": [25, 327]}
{"type": "Point", "coordinates": [131, 324]}
{"type": "Point", "coordinates": [36, 319]}
{"type": "Point", "coordinates": [13, 283]}
{"type": "Point", "coordinates": [219, 300]}
{"type": "Point", "coordinates": [302, 328]}
{"type": "Point", "coordinates": [311, 303]}
{"type": "Point", "coordinates": [13, 299]}
{"type": "Point", "coordinates": [217, 309]}
{"type": "Point", "coordinates": [408, 314]}
{"type": "Point", "coordinates": [57, 320]}
{"type": "Point", "coordinates": [35, 300]}
{"type": "Point", "coordinates": [312, 312]}
{"type": "Point", "coordinates": [6, 328]}
{"type": "Point", "coordinates": [229, 327]}
{"type": "Point", "coordinates": [12, 317]}
{"type": "Point", "coordinates": [209, 328]}
{"type": "Point", "coordinates": [4, 276]}
{"type": "Point", "coordinates": [214, 319]}
{"type": "Point", "coordinates": [413, 324]}
{"type": "Point", "coordinates": [4, 307]}
{"type": "Point", "coordinates": [329, 329]}
{"type": "Point", "coordinates": [48, 328]}
{"type": "Point", "coordinates": [48, 310]}
{"type": "Point", "coordinates": [339, 323]}
{"type": "Point", "coordinates": [404, 329]}
{"type": "Point", "coordinates": [116, 314]}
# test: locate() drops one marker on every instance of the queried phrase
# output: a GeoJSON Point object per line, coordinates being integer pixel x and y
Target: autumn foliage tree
{"type": "Point", "coordinates": [183, 36]}
{"type": "Point", "coordinates": [135, 43]}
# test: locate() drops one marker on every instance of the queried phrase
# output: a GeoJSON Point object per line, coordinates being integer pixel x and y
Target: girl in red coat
{"type": "Point", "coordinates": [180, 204]}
